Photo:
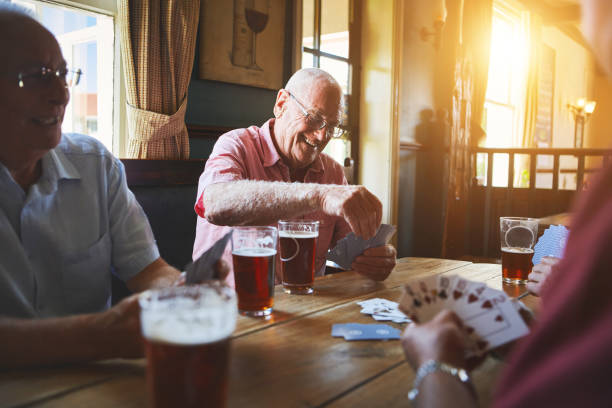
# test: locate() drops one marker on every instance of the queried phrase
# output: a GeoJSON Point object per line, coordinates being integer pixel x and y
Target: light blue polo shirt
{"type": "Point", "coordinates": [60, 240]}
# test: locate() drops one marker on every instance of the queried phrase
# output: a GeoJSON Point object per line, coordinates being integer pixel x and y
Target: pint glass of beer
{"type": "Point", "coordinates": [518, 236]}
{"type": "Point", "coordinates": [298, 248]}
{"type": "Point", "coordinates": [187, 333]}
{"type": "Point", "coordinates": [253, 255]}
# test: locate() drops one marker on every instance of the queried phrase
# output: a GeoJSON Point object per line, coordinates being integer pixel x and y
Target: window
{"type": "Point", "coordinates": [87, 42]}
{"type": "Point", "coordinates": [504, 109]}
{"type": "Point", "coordinates": [325, 45]}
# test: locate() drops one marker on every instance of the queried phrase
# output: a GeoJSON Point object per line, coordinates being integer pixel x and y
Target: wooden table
{"type": "Point", "coordinates": [290, 360]}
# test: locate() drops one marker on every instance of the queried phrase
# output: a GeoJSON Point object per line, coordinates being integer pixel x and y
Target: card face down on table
{"type": "Point", "coordinates": [490, 317]}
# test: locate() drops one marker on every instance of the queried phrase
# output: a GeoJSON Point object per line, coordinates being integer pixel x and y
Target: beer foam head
{"type": "Point", "coordinates": [516, 250]}
{"type": "Point", "coordinates": [255, 252]}
{"type": "Point", "coordinates": [298, 234]}
{"type": "Point", "coordinates": [188, 315]}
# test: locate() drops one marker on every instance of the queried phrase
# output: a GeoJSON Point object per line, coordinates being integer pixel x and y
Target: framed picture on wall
{"type": "Point", "coordinates": [242, 42]}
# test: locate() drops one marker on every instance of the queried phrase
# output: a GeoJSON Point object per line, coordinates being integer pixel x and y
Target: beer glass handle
{"type": "Point", "coordinates": [297, 250]}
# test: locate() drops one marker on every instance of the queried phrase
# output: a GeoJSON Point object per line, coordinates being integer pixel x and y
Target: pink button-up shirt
{"type": "Point", "coordinates": [250, 154]}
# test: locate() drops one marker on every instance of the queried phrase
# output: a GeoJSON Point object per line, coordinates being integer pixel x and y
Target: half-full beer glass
{"type": "Point", "coordinates": [298, 248]}
{"type": "Point", "coordinates": [517, 236]}
{"type": "Point", "coordinates": [253, 255]}
{"type": "Point", "coordinates": [187, 333]}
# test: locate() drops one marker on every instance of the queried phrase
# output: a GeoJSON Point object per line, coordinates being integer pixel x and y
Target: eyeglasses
{"type": "Point", "coordinates": [316, 121]}
{"type": "Point", "coordinates": [41, 77]}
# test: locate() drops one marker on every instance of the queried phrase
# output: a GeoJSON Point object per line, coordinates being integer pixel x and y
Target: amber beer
{"type": "Point", "coordinates": [254, 278]}
{"type": "Point", "coordinates": [516, 264]}
{"type": "Point", "coordinates": [187, 344]}
{"type": "Point", "coordinates": [298, 250]}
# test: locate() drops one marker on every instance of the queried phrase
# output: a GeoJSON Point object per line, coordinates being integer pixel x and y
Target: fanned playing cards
{"type": "Point", "coordinates": [203, 268]}
{"type": "Point", "coordinates": [351, 246]}
{"type": "Point", "coordinates": [551, 243]}
{"type": "Point", "coordinates": [490, 317]}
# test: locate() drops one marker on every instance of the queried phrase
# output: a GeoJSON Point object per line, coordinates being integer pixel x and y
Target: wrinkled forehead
{"type": "Point", "coordinates": [24, 42]}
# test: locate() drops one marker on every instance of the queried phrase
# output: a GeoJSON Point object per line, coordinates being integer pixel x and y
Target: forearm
{"type": "Point", "coordinates": [158, 274]}
{"type": "Point", "coordinates": [248, 202]}
{"type": "Point", "coordinates": [40, 342]}
{"type": "Point", "coordinates": [442, 390]}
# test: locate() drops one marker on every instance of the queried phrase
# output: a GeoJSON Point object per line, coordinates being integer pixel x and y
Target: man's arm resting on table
{"type": "Point", "coordinates": [111, 334]}
{"type": "Point", "coordinates": [38, 342]}
{"type": "Point", "coordinates": [249, 202]}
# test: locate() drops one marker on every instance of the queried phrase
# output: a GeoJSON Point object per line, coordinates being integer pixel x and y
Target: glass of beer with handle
{"type": "Point", "coordinates": [298, 249]}
{"type": "Point", "coordinates": [518, 236]}
{"type": "Point", "coordinates": [253, 256]}
{"type": "Point", "coordinates": [187, 332]}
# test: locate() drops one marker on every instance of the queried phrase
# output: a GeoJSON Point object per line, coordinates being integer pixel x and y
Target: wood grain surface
{"type": "Point", "coordinates": [289, 360]}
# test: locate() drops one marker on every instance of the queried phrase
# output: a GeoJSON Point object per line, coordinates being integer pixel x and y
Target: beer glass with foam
{"type": "Point", "coordinates": [187, 332]}
{"type": "Point", "coordinates": [253, 256]}
{"type": "Point", "coordinates": [518, 236]}
{"type": "Point", "coordinates": [298, 249]}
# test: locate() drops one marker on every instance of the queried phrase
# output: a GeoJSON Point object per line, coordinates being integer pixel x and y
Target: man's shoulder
{"type": "Point", "coordinates": [332, 167]}
{"type": "Point", "coordinates": [240, 136]}
{"type": "Point", "coordinates": [76, 144]}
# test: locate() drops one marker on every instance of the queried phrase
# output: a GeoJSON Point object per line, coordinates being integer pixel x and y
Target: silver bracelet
{"type": "Point", "coordinates": [431, 366]}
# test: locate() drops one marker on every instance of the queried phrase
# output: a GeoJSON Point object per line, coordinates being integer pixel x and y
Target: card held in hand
{"type": "Point", "coordinates": [490, 318]}
{"type": "Point", "coordinates": [351, 246]}
{"type": "Point", "coordinates": [203, 268]}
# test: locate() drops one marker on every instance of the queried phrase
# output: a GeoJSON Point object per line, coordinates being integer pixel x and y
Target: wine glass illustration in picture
{"type": "Point", "coordinates": [256, 13]}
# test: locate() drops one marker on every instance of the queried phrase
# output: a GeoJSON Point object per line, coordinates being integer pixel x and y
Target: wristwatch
{"type": "Point", "coordinates": [431, 366]}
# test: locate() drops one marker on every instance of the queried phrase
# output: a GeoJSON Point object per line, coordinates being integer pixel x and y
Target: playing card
{"type": "Point", "coordinates": [490, 317]}
{"type": "Point", "coordinates": [354, 331]}
{"type": "Point", "coordinates": [383, 309]}
{"type": "Point", "coordinates": [351, 246]}
{"type": "Point", "coordinates": [551, 243]}
{"type": "Point", "coordinates": [202, 269]}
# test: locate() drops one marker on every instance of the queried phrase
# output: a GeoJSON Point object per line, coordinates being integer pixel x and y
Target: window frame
{"type": "Point", "coordinates": [108, 8]}
{"type": "Point", "coordinates": [354, 56]}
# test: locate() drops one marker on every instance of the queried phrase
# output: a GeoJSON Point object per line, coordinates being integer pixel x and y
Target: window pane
{"type": "Point", "coordinates": [308, 24]}
{"type": "Point", "coordinates": [87, 41]}
{"type": "Point", "coordinates": [307, 60]}
{"type": "Point", "coordinates": [335, 27]}
{"type": "Point", "coordinates": [339, 70]}
{"type": "Point", "coordinates": [499, 122]}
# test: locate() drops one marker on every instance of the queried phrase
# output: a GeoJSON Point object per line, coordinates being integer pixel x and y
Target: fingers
{"type": "Point", "coordinates": [376, 263]}
{"type": "Point", "coordinates": [534, 287]}
{"type": "Point", "coordinates": [359, 207]}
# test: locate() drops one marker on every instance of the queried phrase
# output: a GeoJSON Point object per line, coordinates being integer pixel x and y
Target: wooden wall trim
{"type": "Point", "coordinates": [142, 172]}
{"type": "Point", "coordinates": [411, 146]}
{"type": "Point", "coordinates": [207, 132]}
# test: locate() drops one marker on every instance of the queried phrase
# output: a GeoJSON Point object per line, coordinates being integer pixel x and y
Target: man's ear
{"type": "Point", "coordinates": [281, 103]}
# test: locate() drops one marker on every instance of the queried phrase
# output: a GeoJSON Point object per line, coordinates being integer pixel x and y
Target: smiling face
{"type": "Point", "coordinates": [31, 116]}
{"type": "Point", "coordinates": [298, 143]}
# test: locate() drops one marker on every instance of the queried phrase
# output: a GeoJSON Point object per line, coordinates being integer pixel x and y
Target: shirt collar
{"type": "Point", "coordinates": [271, 156]}
{"type": "Point", "coordinates": [56, 166]}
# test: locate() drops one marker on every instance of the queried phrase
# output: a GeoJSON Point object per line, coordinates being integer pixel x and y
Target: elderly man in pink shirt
{"type": "Point", "coordinates": [260, 175]}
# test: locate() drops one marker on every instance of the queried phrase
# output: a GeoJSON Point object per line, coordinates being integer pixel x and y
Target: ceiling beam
{"type": "Point", "coordinates": [556, 15]}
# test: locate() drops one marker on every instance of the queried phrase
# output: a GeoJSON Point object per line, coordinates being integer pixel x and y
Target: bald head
{"type": "Point", "coordinates": [13, 22]}
{"type": "Point", "coordinates": [307, 77]}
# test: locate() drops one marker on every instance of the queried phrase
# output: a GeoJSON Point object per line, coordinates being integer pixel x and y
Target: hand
{"type": "Point", "coordinates": [119, 329]}
{"type": "Point", "coordinates": [221, 271]}
{"type": "Point", "coordinates": [540, 274]}
{"type": "Point", "coordinates": [376, 263]}
{"type": "Point", "coordinates": [439, 339]}
{"type": "Point", "coordinates": [360, 208]}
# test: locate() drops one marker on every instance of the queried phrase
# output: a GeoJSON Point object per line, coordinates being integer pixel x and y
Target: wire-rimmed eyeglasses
{"type": "Point", "coordinates": [42, 76]}
{"type": "Point", "coordinates": [316, 122]}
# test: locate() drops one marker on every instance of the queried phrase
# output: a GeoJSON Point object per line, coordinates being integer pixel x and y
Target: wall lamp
{"type": "Point", "coordinates": [582, 110]}
{"type": "Point", "coordinates": [439, 19]}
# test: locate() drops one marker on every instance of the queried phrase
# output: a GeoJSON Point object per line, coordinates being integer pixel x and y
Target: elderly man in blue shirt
{"type": "Point", "coordinates": [66, 218]}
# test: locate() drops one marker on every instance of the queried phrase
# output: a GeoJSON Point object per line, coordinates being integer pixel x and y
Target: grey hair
{"type": "Point", "coordinates": [305, 77]}
{"type": "Point", "coordinates": [7, 8]}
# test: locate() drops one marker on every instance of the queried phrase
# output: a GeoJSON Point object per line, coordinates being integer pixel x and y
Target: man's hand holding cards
{"type": "Point", "coordinates": [490, 318]}
{"type": "Point", "coordinates": [372, 258]}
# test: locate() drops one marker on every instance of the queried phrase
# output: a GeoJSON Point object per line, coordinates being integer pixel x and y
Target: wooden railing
{"type": "Point", "coordinates": [509, 200]}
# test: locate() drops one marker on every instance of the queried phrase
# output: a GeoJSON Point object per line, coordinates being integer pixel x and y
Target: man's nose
{"type": "Point", "coordinates": [321, 134]}
{"type": "Point", "coordinates": [58, 92]}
